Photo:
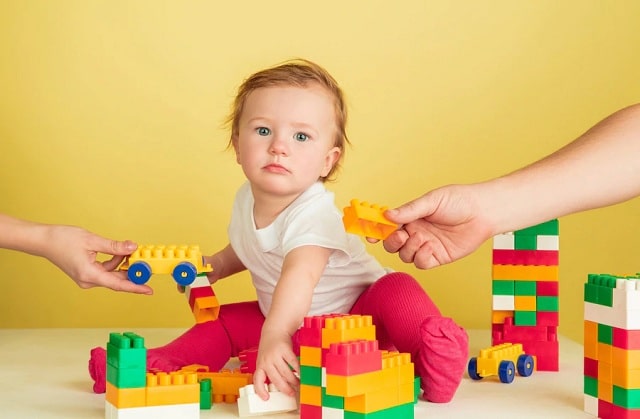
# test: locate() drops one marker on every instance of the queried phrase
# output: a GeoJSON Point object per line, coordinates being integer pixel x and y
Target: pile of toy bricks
{"type": "Point", "coordinates": [612, 346]}
{"type": "Point", "coordinates": [525, 292]}
{"type": "Point", "coordinates": [134, 393]}
{"type": "Point", "coordinates": [343, 373]}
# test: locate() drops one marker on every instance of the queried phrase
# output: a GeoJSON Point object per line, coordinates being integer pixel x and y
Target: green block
{"type": "Point", "coordinates": [590, 293]}
{"type": "Point", "coordinates": [628, 398]}
{"type": "Point", "coordinates": [205, 394]}
{"type": "Point", "coordinates": [126, 340]}
{"type": "Point", "coordinates": [524, 318]}
{"type": "Point", "coordinates": [311, 375]}
{"type": "Point", "coordinates": [525, 242]}
{"type": "Point", "coordinates": [547, 303]}
{"type": "Point", "coordinates": [605, 296]}
{"type": "Point", "coordinates": [126, 377]}
{"type": "Point", "coordinates": [525, 288]}
{"type": "Point", "coordinates": [590, 386]}
{"type": "Point", "coordinates": [502, 287]}
{"type": "Point", "coordinates": [605, 334]}
{"type": "Point", "coordinates": [549, 228]}
{"type": "Point", "coordinates": [403, 411]}
{"type": "Point", "coordinates": [416, 389]}
{"type": "Point", "coordinates": [337, 402]}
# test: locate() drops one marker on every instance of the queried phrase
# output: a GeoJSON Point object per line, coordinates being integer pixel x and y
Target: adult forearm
{"type": "Point", "coordinates": [21, 235]}
{"type": "Point", "coordinates": [600, 168]}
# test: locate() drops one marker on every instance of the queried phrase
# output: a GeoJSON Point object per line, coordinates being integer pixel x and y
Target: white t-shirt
{"type": "Point", "coordinates": [312, 219]}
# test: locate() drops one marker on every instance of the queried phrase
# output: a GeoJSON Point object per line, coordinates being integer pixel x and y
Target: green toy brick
{"type": "Point", "coordinates": [328, 400]}
{"type": "Point", "coordinates": [590, 293]}
{"type": "Point", "coordinates": [502, 287]}
{"type": "Point", "coordinates": [525, 242]}
{"type": "Point", "coordinates": [311, 375]}
{"type": "Point", "coordinates": [605, 334]}
{"type": "Point", "coordinates": [591, 386]}
{"type": "Point", "coordinates": [416, 389]}
{"type": "Point", "coordinates": [524, 318]}
{"type": "Point", "coordinates": [525, 288]}
{"type": "Point", "coordinates": [628, 398]}
{"type": "Point", "coordinates": [126, 358]}
{"type": "Point", "coordinates": [126, 377]}
{"type": "Point", "coordinates": [547, 303]}
{"type": "Point", "coordinates": [549, 228]}
{"type": "Point", "coordinates": [404, 411]}
{"type": "Point", "coordinates": [205, 394]}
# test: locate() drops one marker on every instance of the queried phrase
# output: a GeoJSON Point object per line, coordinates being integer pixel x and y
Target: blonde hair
{"type": "Point", "coordinates": [300, 73]}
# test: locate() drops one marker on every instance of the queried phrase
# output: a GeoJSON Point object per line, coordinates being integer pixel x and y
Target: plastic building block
{"type": "Point", "coordinates": [183, 262]}
{"type": "Point", "coordinates": [250, 404]}
{"type": "Point", "coordinates": [225, 384]}
{"type": "Point", "coordinates": [367, 220]}
{"type": "Point", "coordinates": [205, 394]}
{"type": "Point", "coordinates": [502, 360]}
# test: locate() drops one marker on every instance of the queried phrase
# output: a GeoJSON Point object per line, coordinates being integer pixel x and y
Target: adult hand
{"type": "Point", "coordinates": [440, 227]}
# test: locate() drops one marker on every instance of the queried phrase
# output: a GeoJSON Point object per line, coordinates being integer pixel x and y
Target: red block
{"type": "Point", "coordinates": [355, 357]}
{"type": "Point", "coordinates": [525, 257]}
{"type": "Point", "coordinates": [248, 360]}
{"type": "Point", "coordinates": [198, 292]}
{"type": "Point", "coordinates": [591, 367]}
{"type": "Point", "coordinates": [618, 412]}
{"type": "Point", "coordinates": [626, 339]}
{"type": "Point", "coordinates": [547, 288]}
{"type": "Point", "coordinates": [308, 411]}
{"type": "Point", "coordinates": [547, 318]}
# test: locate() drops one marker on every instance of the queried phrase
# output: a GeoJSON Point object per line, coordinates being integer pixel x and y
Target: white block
{"type": "Point", "coordinates": [171, 411]}
{"type": "Point", "coordinates": [503, 302]}
{"type": "Point", "coordinates": [591, 405]}
{"type": "Point", "coordinates": [250, 404]}
{"type": "Point", "coordinates": [505, 241]}
{"type": "Point", "coordinates": [332, 413]}
{"type": "Point", "coordinates": [547, 242]}
{"type": "Point", "coordinates": [200, 281]}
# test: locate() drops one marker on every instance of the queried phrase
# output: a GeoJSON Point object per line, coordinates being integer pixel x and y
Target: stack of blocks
{"type": "Point", "coordinates": [612, 346]}
{"type": "Point", "coordinates": [343, 374]}
{"type": "Point", "coordinates": [525, 292]}
{"type": "Point", "coordinates": [133, 393]}
{"type": "Point", "coordinates": [202, 300]}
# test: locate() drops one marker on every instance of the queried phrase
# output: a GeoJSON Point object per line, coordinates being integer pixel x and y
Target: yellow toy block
{"type": "Point", "coordinates": [346, 328]}
{"type": "Point", "coordinates": [625, 378]}
{"type": "Point", "coordinates": [354, 385]}
{"type": "Point", "coordinates": [125, 397]}
{"type": "Point", "coordinates": [605, 391]}
{"type": "Point", "coordinates": [172, 388]}
{"type": "Point", "coordinates": [625, 358]}
{"type": "Point", "coordinates": [525, 303]}
{"type": "Point", "coordinates": [311, 395]}
{"type": "Point", "coordinates": [183, 262]}
{"type": "Point", "coordinates": [367, 220]}
{"type": "Point", "coordinates": [225, 384]}
{"type": "Point", "coordinates": [310, 356]}
{"type": "Point", "coordinates": [525, 272]}
{"type": "Point", "coordinates": [591, 339]}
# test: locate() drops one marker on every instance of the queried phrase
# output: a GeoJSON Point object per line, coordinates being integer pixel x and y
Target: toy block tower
{"type": "Point", "coordinates": [133, 393]}
{"type": "Point", "coordinates": [343, 374]}
{"type": "Point", "coordinates": [525, 292]}
{"type": "Point", "coordinates": [612, 346]}
{"type": "Point", "coordinates": [202, 300]}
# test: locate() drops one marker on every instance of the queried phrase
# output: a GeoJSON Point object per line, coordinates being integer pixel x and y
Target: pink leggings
{"type": "Point", "coordinates": [405, 318]}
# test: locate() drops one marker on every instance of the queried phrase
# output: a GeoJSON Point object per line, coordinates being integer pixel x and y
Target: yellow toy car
{"type": "Point", "coordinates": [501, 360]}
{"type": "Point", "coordinates": [183, 262]}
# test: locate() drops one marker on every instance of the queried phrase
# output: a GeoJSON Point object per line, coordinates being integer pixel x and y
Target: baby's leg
{"type": "Point", "coordinates": [211, 343]}
{"type": "Point", "coordinates": [407, 319]}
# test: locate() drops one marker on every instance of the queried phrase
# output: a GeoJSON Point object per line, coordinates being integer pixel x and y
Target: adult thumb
{"type": "Point", "coordinates": [112, 247]}
{"type": "Point", "coordinates": [412, 210]}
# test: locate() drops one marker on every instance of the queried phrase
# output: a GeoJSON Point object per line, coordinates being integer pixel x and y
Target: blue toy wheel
{"type": "Point", "coordinates": [184, 273]}
{"type": "Point", "coordinates": [525, 365]}
{"type": "Point", "coordinates": [139, 272]}
{"type": "Point", "coordinates": [472, 369]}
{"type": "Point", "coordinates": [506, 371]}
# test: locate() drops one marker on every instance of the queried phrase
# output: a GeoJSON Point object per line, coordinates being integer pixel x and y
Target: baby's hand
{"type": "Point", "coordinates": [276, 362]}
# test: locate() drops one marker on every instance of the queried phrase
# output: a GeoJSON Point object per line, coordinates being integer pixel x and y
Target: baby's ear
{"type": "Point", "coordinates": [330, 160]}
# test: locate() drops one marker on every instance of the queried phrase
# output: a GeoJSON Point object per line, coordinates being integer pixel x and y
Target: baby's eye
{"type": "Point", "coordinates": [264, 131]}
{"type": "Point", "coordinates": [301, 136]}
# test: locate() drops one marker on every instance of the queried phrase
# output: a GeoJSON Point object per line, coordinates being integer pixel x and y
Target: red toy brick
{"type": "Point", "coordinates": [626, 339]}
{"type": "Point", "coordinates": [355, 357]}
{"type": "Point", "coordinates": [547, 288]}
{"type": "Point", "coordinates": [525, 257]}
{"type": "Point", "coordinates": [547, 318]}
{"type": "Point", "coordinates": [591, 367]}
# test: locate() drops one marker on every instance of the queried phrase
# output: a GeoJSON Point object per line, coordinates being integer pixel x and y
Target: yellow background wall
{"type": "Point", "coordinates": [110, 118]}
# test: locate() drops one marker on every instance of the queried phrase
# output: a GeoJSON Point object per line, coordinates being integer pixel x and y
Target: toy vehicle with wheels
{"type": "Point", "coordinates": [502, 360]}
{"type": "Point", "coordinates": [183, 262]}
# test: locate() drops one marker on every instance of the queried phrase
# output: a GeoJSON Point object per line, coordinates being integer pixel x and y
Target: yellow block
{"type": "Point", "coordinates": [311, 395]}
{"type": "Point", "coordinates": [346, 328]}
{"type": "Point", "coordinates": [525, 302]}
{"type": "Point", "coordinates": [591, 339]}
{"type": "Point", "coordinates": [525, 272]}
{"type": "Point", "coordinates": [605, 391]}
{"type": "Point", "coordinates": [126, 397]}
{"type": "Point", "coordinates": [354, 385]}
{"type": "Point", "coordinates": [173, 388]}
{"type": "Point", "coordinates": [626, 378]}
{"type": "Point", "coordinates": [626, 358]}
{"type": "Point", "coordinates": [310, 356]}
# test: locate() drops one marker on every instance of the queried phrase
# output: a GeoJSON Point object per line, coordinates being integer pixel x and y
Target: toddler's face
{"type": "Point", "coordinates": [286, 138]}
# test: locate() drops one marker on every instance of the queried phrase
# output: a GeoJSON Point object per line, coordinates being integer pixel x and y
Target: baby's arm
{"type": "Point", "coordinates": [225, 263]}
{"type": "Point", "coordinates": [301, 271]}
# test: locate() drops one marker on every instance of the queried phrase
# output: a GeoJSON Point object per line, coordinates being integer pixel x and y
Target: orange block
{"type": "Point", "coordinates": [177, 387]}
{"type": "Point", "coordinates": [525, 302]}
{"type": "Point", "coordinates": [591, 339]}
{"type": "Point", "coordinates": [310, 395]}
{"type": "Point", "coordinates": [310, 356]}
{"type": "Point", "coordinates": [525, 272]}
{"type": "Point", "coordinates": [346, 328]}
{"type": "Point", "coordinates": [126, 397]}
{"type": "Point", "coordinates": [498, 316]}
